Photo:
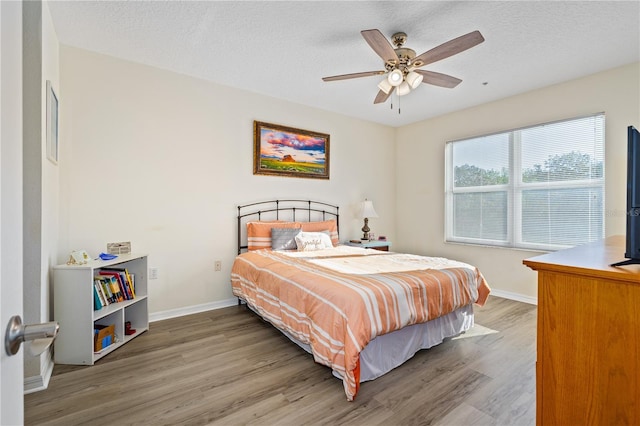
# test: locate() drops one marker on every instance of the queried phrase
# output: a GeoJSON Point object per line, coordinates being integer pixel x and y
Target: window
{"type": "Point", "coordinates": [540, 187]}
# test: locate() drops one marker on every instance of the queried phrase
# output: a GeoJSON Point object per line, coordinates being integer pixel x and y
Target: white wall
{"type": "Point", "coordinates": [420, 165]}
{"type": "Point", "coordinates": [162, 160]}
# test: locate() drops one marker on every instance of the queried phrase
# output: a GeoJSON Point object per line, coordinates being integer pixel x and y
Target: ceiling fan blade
{"type": "Point", "coordinates": [438, 79]}
{"type": "Point", "coordinates": [449, 48]}
{"type": "Point", "coordinates": [381, 97]}
{"type": "Point", "coordinates": [353, 75]}
{"type": "Point", "coordinates": [380, 45]}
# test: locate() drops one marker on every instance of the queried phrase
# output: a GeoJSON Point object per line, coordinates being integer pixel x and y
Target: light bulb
{"type": "Point", "coordinates": [395, 77]}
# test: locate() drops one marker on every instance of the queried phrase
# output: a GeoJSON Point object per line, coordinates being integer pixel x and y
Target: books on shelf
{"type": "Point", "coordinates": [112, 285]}
{"type": "Point", "coordinates": [116, 285]}
{"type": "Point", "coordinates": [126, 280]}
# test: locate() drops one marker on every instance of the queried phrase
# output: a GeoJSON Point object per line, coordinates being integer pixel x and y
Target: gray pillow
{"type": "Point", "coordinates": [284, 238]}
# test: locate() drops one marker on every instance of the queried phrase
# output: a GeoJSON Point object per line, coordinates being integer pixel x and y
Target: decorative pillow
{"type": "Point", "coordinates": [310, 241]}
{"type": "Point", "coordinates": [259, 233]}
{"type": "Point", "coordinates": [284, 238]}
{"type": "Point", "coordinates": [330, 225]}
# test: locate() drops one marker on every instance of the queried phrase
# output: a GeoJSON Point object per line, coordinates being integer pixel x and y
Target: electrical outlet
{"type": "Point", "coordinates": [153, 273]}
{"type": "Point", "coordinates": [218, 266]}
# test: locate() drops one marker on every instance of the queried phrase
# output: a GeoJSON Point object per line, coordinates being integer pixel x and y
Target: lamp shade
{"type": "Point", "coordinates": [414, 79]}
{"type": "Point", "coordinates": [395, 77]}
{"type": "Point", "coordinates": [403, 89]}
{"type": "Point", "coordinates": [367, 210]}
{"type": "Point", "coordinates": [385, 86]}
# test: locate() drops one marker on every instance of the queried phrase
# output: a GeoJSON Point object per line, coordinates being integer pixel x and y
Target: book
{"type": "Point", "coordinates": [131, 283]}
{"type": "Point", "coordinates": [122, 280]}
{"type": "Point", "coordinates": [97, 304]}
{"type": "Point", "coordinates": [98, 287]}
{"type": "Point", "coordinates": [127, 284]}
{"type": "Point", "coordinates": [104, 294]}
{"type": "Point", "coordinates": [96, 293]}
{"type": "Point", "coordinates": [105, 289]}
{"type": "Point", "coordinates": [115, 289]}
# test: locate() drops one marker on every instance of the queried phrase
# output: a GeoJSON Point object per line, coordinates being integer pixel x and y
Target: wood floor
{"type": "Point", "coordinates": [228, 367]}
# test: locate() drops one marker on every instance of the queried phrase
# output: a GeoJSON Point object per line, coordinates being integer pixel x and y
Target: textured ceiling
{"type": "Point", "coordinates": [283, 49]}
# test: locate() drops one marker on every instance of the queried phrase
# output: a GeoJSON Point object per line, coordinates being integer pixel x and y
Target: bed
{"type": "Point", "coordinates": [361, 312]}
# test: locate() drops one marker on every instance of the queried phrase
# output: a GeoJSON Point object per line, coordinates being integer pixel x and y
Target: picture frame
{"type": "Point", "coordinates": [52, 124]}
{"type": "Point", "coordinates": [286, 151]}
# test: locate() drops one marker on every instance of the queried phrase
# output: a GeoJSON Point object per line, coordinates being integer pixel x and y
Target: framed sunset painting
{"type": "Point", "coordinates": [285, 151]}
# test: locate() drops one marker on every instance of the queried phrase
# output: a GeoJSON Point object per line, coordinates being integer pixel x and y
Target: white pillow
{"type": "Point", "coordinates": [310, 241]}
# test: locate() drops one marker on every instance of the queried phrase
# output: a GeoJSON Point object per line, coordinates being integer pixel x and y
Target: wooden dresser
{"type": "Point", "coordinates": [588, 348]}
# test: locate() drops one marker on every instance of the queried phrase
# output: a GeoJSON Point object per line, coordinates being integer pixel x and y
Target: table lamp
{"type": "Point", "coordinates": [366, 211]}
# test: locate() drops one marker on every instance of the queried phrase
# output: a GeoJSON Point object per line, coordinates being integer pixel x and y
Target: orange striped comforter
{"type": "Point", "coordinates": [338, 313]}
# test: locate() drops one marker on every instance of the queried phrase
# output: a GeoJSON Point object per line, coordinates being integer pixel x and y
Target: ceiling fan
{"type": "Point", "coordinates": [402, 65]}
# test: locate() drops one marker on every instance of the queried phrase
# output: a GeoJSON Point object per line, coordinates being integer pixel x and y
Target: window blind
{"type": "Point", "coordinates": [540, 187]}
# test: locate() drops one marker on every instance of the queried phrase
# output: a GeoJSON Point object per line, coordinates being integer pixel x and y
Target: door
{"type": "Point", "coordinates": [11, 367]}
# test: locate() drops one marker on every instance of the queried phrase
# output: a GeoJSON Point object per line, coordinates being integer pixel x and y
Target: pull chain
{"type": "Point", "coordinates": [396, 92]}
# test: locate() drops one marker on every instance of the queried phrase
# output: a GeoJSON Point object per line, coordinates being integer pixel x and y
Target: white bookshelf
{"type": "Point", "coordinates": [74, 309]}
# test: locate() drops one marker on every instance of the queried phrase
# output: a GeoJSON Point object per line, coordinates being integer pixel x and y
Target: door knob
{"type": "Point", "coordinates": [41, 335]}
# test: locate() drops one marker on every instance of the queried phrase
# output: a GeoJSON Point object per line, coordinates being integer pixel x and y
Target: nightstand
{"type": "Point", "coordinates": [373, 244]}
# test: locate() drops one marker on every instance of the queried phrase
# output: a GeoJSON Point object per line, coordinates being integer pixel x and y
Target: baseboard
{"type": "Point", "coordinates": [172, 313]}
{"type": "Point", "coordinates": [515, 296]}
{"type": "Point", "coordinates": [41, 381]}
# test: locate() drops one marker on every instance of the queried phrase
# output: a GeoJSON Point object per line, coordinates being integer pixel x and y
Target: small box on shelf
{"type": "Point", "coordinates": [105, 335]}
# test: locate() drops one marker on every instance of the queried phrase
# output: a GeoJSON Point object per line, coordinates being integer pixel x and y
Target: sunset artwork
{"type": "Point", "coordinates": [286, 151]}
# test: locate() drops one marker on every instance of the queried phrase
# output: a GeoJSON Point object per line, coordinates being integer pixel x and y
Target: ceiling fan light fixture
{"type": "Point", "coordinates": [403, 89]}
{"type": "Point", "coordinates": [395, 77]}
{"type": "Point", "coordinates": [400, 71]}
{"type": "Point", "coordinates": [414, 79]}
{"type": "Point", "coordinates": [385, 86]}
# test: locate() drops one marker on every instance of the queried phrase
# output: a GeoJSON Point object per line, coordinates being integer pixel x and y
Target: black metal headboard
{"type": "Point", "coordinates": [291, 210]}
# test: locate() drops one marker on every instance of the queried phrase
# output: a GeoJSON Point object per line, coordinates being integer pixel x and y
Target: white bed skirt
{"type": "Point", "coordinates": [386, 352]}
